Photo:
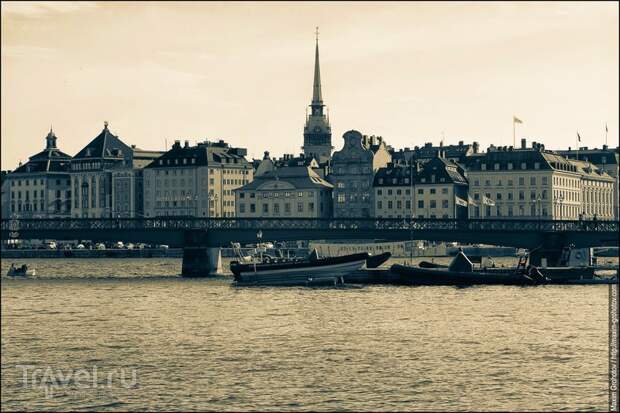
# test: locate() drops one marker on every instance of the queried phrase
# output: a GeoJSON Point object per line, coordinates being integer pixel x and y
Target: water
{"type": "Point", "coordinates": [202, 344]}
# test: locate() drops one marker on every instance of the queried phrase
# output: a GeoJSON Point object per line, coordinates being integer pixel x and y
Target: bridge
{"type": "Point", "coordinates": [197, 235]}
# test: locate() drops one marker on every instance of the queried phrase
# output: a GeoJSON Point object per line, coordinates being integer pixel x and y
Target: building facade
{"type": "Point", "coordinates": [605, 159]}
{"type": "Point", "coordinates": [91, 175]}
{"type": "Point", "coordinates": [287, 192]}
{"type": "Point", "coordinates": [532, 183]}
{"type": "Point", "coordinates": [434, 189]}
{"type": "Point", "coordinates": [196, 180]}
{"type": "Point", "coordinates": [353, 169]}
{"type": "Point", "coordinates": [317, 130]}
{"type": "Point", "coordinates": [41, 188]}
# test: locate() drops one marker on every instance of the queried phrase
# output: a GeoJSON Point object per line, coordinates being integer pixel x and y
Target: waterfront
{"type": "Point", "coordinates": [202, 344]}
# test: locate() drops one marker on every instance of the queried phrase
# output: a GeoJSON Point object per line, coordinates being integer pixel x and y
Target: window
{"type": "Point", "coordinates": [523, 165]}
{"type": "Point", "coordinates": [433, 204]}
{"type": "Point", "coordinates": [432, 191]}
{"type": "Point", "coordinates": [341, 198]}
{"type": "Point", "coordinates": [521, 181]}
{"type": "Point", "coordinates": [483, 166]}
{"type": "Point", "coordinates": [408, 204]}
{"type": "Point", "coordinates": [496, 166]}
{"type": "Point", "coordinates": [265, 208]}
{"type": "Point", "coordinates": [241, 195]}
{"type": "Point", "coordinates": [498, 196]}
{"type": "Point", "coordinates": [444, 203]}
{"type": "Point", "coordinates": [287, 208]}
{"type": "Point", "coordinates": [379, 192]}
{"type": "Point", "coordinates": [476, 196]}
{"type": "Point", "coordinates": [532, 180]}
{"type": "Point", "coordinates": [390, 204]}
{"type": "Point", "coordinates": [510, 165]}
{"type": "Point", "coordinates": [379, 205]}
{"type": "Point", "coordinates": [399, 204]}
{"type": "Point", "coordinates": [252, 208]}
{"type": "Point", "coordinates": [510, 196]}
{"type": "Point", "coordinates": [544, 180]}
{"type": "Point", "coordinates": [444, 190]}
{"type": "Point", "coordinates": [476, 182]}
{"type": "Point", "coordinates": [276, 209]}
{"type": "Point", "coordinates": [310, 206]}
{"type": "Point", "coordinates": [300, 207]}
{"type": "Point", "coordinates": [421, 191]}
{"type": "Point", "coordinates": [420, 204]}
{"type": "Point", "coordinates": [510, 182]}
{"type": "Point", "coordinates": [242, 208]}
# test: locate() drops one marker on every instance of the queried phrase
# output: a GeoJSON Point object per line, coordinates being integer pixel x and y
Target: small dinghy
{"type": "Point", "coordinates": [22, 271]}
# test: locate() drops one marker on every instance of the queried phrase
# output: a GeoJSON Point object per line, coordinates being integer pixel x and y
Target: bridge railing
{"type": "Point", "coordinates": [417, 224]}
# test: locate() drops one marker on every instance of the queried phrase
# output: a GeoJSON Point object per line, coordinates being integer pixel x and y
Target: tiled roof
{"type": "Point", "coordinates": [105, 145]}
{"type": "Point", "coordinates": [300, 177]}
{"type": "Point", "coordinates": [206, 153]}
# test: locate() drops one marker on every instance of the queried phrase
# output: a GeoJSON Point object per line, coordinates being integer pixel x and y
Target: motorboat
{"type": "Point", "coordinates": [375, 261]}
{"type": "Point", "coordinates": [21, 271]}
{"type": "Point", "coordinates": [461, 272]}
{"type": "Point", "coordinates": [313, 271]}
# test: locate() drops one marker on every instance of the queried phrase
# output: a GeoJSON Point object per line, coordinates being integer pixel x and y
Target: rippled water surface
{"type": "Point", "coordinates": [202, 344]}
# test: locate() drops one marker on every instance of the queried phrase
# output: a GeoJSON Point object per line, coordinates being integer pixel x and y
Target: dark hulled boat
{"type": "Point", "coordinates": [313, 271]}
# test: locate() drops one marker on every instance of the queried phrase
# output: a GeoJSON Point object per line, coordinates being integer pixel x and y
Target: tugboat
{"type": "Point", "coordinates": [22, 271]}
{"type": "Point", "coordinates": [313, 271]}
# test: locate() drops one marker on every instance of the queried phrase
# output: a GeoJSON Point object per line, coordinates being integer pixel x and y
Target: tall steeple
{"type": "Point", "coordinates": [317, 132]}
{"type": "Point", "coordinates": [317, 98]}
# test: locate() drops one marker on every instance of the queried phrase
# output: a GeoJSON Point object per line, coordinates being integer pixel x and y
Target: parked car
{"type": "Point", "coordinates": [163, 246]}
{"type": "Point", "coordinates": [100, 246]}
{"type": "Point", "coordinates": [50, 245]}
{"type": "Point", "coordinates": [80, 247]}
{"type": "Point", "coordinates": [129, 246]}
{"type": "Point", "coordinates": [119, 244]}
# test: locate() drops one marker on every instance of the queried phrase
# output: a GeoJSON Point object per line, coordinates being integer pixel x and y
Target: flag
{"type": "Point", "coordinates": [461, 202]}
{"type": "Point", "coordinates": [488, 201]}
{"type": "Point", "coordinates": [606, 130]}
{"type": "Point", "coordinates": [471, 201]}
{"type": "Point", "coordinates": [578, 137]}
{"type": "Point", "coordinates": [516, 119]}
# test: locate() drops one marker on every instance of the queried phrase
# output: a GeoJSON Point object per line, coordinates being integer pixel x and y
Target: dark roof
{"type": "Point", "coordinates": [205, 153]}
{"type": "Point", "coordinates": [50, 159]}
{"type": "Point", "coordinates": [596, 156]}
{"type": "Point", "coordinates": [445, 171]}
{"type": "Point", "coordinates": [300, 177]}
{"type": "Point", "coordinates": [546, 160]}
{"type": "Point", "coordinates": [105, 145]}
{"type": "Point", "coordinates": [429, 151]}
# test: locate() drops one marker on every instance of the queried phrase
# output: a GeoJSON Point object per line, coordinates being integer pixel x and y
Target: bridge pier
{"type": "Point", "coordinates": [200, 261]}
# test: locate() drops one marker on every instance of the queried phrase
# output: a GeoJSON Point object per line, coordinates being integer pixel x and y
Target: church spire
{"type": "Point", "coordinates": [317, 98]}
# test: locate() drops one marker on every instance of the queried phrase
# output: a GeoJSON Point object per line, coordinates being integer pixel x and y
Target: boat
{"type": "Point", "coordinates": [313, 271]}
{"type": "Point", "coordinates": [375, 261]}
{"type": "Point", "coordinates": [461, 272]}
{"type": "Point", "coordinates": [22, 271]}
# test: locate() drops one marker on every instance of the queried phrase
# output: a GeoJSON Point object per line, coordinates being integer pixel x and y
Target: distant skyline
{"type": "Point", "coordinates": [242, 72]}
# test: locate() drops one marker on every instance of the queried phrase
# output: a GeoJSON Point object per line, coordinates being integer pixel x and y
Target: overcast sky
{"type": "Point", "coordinates": [409, 72]}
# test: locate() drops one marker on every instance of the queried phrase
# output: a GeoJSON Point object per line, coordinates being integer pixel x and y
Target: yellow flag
{"type": "Point", "coordinates": [516, 119]}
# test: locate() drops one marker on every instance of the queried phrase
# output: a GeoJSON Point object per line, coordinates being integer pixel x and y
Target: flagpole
{"type": "Point", "coordinates": [577, 142]}
{"type": "Point", "coordinates": [514, 142]}
{"type": "Point", "coordinates": [606, 131]}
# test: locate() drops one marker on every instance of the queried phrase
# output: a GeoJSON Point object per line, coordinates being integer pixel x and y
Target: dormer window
{"type": "Point", "coordinates": [523, 165]}
{"type": "Point", "coordinates": [536, 165]}
{"type": "Point", "coordinates": [496, 166]}
{"type": "Point", "coordinates": [510, 166]}
{"type": "Point", "coordinates": [483, 167]}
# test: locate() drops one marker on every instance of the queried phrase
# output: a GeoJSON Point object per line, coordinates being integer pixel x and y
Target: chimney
{"type": "Point", "coordinates": [177, 144]}
{"type": "Point", "coordinates": [523, 143]}
{"type": "Point", "coordinates": [476, 147]}
{"type": "Point", "coordinates": [533, 144]}
{"type": "Point", "coordinates": [266, 155]}
{"type": "Point", "coordinates": [461, 143]}
{"type": "Point", "coordinates": [186, 144]}
{"type": "Point", "coordinates": [605, 147]}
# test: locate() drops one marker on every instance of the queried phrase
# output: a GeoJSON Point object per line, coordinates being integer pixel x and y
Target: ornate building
{"type": "Point", "coordinates": [317, 131]}
{"type": "Point", "coordinates": [41, 187]}
{"type": "Point", "coordinates": [353, 169]}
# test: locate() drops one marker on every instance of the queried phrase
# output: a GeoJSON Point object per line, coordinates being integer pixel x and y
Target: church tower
{"type": "Point", "coordinates": [317, 132]}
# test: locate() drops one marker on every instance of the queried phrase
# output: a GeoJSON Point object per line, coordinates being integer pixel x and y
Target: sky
{"type": "Point", "coordinates": [242, 72]}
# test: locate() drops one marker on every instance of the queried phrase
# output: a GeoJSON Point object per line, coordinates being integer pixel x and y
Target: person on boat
{"type": "Point", "coordinates": [12, 269]}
